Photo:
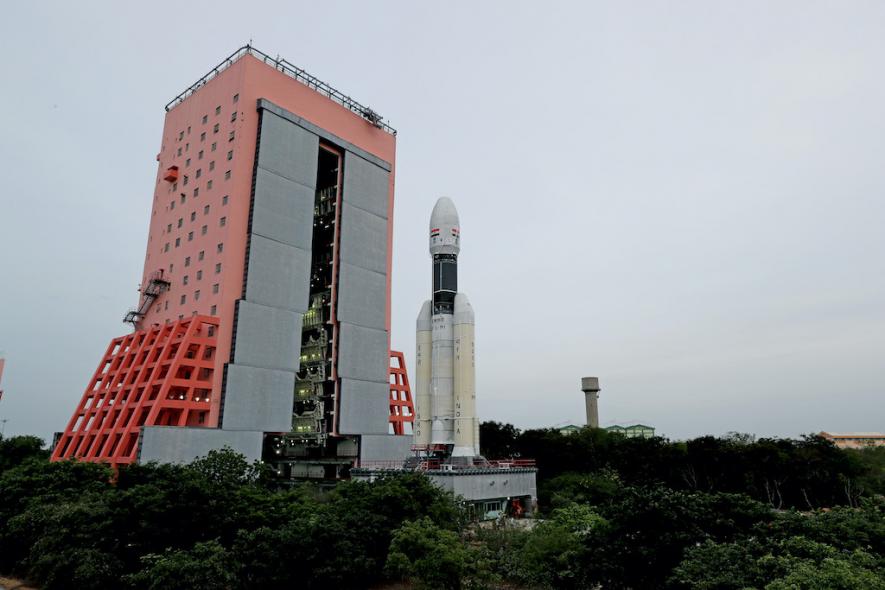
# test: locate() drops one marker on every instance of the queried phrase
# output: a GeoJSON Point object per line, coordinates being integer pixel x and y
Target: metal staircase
{"type": "Point", "coordinates": [149, 293]}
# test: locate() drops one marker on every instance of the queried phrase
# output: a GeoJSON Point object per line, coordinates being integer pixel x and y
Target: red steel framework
{"type": "Point", "coordinates": [402, 410]}
{"type": "Point", "coordinates": [159, 376]}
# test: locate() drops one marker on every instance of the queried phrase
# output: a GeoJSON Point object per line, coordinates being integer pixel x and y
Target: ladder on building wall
{"type": "Point", "coordinates": [149, 293]}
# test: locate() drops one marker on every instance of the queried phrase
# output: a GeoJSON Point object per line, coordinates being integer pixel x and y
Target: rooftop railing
{"type": "Point", "coordinates": [292, 71]}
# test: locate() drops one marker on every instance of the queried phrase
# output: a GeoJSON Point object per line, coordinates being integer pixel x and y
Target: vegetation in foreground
{"type": "Point", "coordinates": [712, 513]}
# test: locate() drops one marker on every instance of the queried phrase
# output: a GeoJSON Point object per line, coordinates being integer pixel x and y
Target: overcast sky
{"type": "Point", "coordinates": [685, 199]}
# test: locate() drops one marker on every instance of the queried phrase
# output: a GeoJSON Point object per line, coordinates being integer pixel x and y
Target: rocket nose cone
{"type": "Point", "coordinates": [444, 214]}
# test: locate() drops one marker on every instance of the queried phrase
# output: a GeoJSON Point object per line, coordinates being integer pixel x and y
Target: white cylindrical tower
{"type": "Point", "coordinates": [423, 354]}
{"type": "Point", "coordinates": [464, 380]}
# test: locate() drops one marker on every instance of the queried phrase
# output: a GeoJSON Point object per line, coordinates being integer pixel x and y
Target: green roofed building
{"type": "Point", "coordinates": [636, 430]}
{"type": "Point", "coordinates": [568, 429]}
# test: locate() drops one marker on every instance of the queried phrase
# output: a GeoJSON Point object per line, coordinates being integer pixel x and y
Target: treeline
{"type": "Point", "coordinates": [610, 520]}
{"type": "Point", "coordinates": [784, 473]}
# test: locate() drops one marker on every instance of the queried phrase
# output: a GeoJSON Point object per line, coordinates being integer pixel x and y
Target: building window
{"type": "Point", "coordinates": [197, 192]}
{"type": "Point", "coordinates": [201, 254]}
{"type": "Point", "coordinates": [184, 182]}
{"type": "Point", "coordinates": [190, 236]}
{"type": "Point", "coordinates": [179, 152]}
{"type": "Point", "coordinates": [180, 221]}
{"type": "Point", "coordinates": [166, 305]}
{"type": "Point", "coordinates": [184, 280]}
{"type": "Point", "coordinates": [174, 188]}
{"type": "Point", "coordinates": [187, 261]}
{"type": "Point", "coordinates": [187, 147]}
{"type": "Point", "coordinates": [199, 155]}
{"type": "Point", "coordinates": [203, 136]}
{"type": "Point", "coordinates": [171, 268]}
{"type": "Point", "coordinates": [220, 248]}
{"type": "Point", "coordinates": [224, 200]}
{"type": "Point", "coordinates": [215, 128]}
{"type": "Point", "coordinates": [204, 229]}
{"type": "Point", "coordinates": [166, 247]}
{"type": "Point", "coordinates": [206, 210]}
{"type": "Point", "coordinates": [187, 162]}
{"type": "Point", "coordinates": [233, 116]}
{"type": "Point", "coordinates": [236, 98]}
{"type": "Point", "coordinates": [181, 136]}
{"type": "Point", "coordinates": [183, 299]}
{"type": "Point", "coordinates": [222, 222]}
{"type": "Point", "coordinates": [214, 145]}
{"type": "Point", "coordinates": [172, 205]}
{"type": "Point", "coordinates": [215, 288]}
{"type": "Point", "coordinates": [218, 268]}
{"type": "Point", "coordinates": [199, 172]}
{"type": "Point", "coordinates": [209, 185]}
{"type": "Point", "coordinates": [205, 119]}
{"type": "Point", "coordinates": [212, 165]}
{"type": "Point", "coordinates": [177, 242]}
{"type": "Point", "coordinates": [218, 110]}
{"type": "Point", "coordinates": [188, 129]}
{"type": "Point", "coordinates": [193, 215]}
{"type": "Point", "coordinates": [230, 155]}
{"type": "Point", "coordinates": [169, 229]}
{"type": "Point", "coordinates": [199, 275]}
{"type": "Point", "coordinates": [212, 310]}
{"type": "Point", "coordinates": [197, 295]}
{"type": "Point", "coordinates": [227, 175]}
{"type": "Point", "coordinates": [183, 198]}
{"type": "Point", "coordinates": [231, 136]}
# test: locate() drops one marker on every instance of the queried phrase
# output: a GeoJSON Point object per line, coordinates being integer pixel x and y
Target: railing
{"type": "Point", "coordinates": [438, 465]}
{"type": "Point", "coordinates": [292, 71]}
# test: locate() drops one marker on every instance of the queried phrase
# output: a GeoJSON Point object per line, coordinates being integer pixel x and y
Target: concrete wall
{"type": "Point", "coordinates": [498, 483]}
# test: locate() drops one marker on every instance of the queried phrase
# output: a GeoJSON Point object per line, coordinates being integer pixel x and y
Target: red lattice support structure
{"type": "Point", "coordinates": [160, 376]}
{"type": "Point", "coordinates": [402, 410]}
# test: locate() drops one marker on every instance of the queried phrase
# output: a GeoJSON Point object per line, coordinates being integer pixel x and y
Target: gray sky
{"type": "Point", "coordinates": [684, 199]}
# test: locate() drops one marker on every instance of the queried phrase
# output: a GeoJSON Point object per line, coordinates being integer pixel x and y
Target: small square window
{"type": "Point", "coordinates": [222, 222]}
{"type": "Point", "coordinates": [183, 198]}
{"type": "Point", "coordinates": [166, 247]}
{"type": "Point", "coordinates": [227, 175]}
{"type": "Point", "coordinates": [190, 236]}
{"type": "Point", "coordinates": [199, 275]}
{"type": "Point", "coordinates": [230, 155]}
{"type": "Point", "coordinates": [187, 162]}
{"type": "Point", "coordinates": [215, 128]}
{"type": "Point", "coordinates": [203, 136]}
{"type": "Point", "coordinates": [209, 185]}
{"type": "Point", "coordinates": [183, 299]}
{"type": "Point", "coordinates": [184, 280]}
{"type": "Point", "coordinates": [236, 97]}
{"type": "Point", "coordinates": [166, 305]}
{"type": "Point", "coordinates": [220, 248]}
{"type": "Point", "coordinates": [181, 136]}
{"type": "Point", "coordinates": [199, 155]}
{"type": "Point", "coordinates": [186, 179]}
{"type": "Point", "coordinates": [218, 110]}
{"type": "Point", "coordinates": [177, 242]}
{"type": "Point", "coordinates": [201, 254]}
{"type": "Point", "coordinates": [231, 136]}
{"type": "Point", "coordinates": [197, 192]}
{"type": "Point", "coordinates": [214, 145]}
{"type": "Point", "coordinates": [218, 268]}
{"type": "Point", "coordinates": [204, 229]}
{"type": "Point", "coordinates": [215, 288]}
{"type": "Point", "coordinates": [206, 210]}
{"type": "Point", "coordinates": [171, 268]}
{"type": "Point", "coordinates": [180, 221]}
{"type": "Point", "coordinates": [224, 200]}
{"type": "Point", "coordinates": [172, 205]}
{"type": "Point", "coordinates": [187, 146]}
{"type": "Point", "coordinates": [212, 311]}
{"type": "Point", "coordinates": [212, 165]}
{"type": "Point", "coordinates": [205, 119]}
{"type": "Point", "coordinates": [187, 261]}
{"type": "Point", "coordinates": [193, 215]}
{"type": "Point", "coordinates": [197, 295]}
{"type": "Point", "coordinates": [179, 152]}
{"type": "Point", "coordinates": [199, 172]}
{"type": "Point", "coordinates": [169, 228]}
{"type": "Point", "coordinates": [174, 186]}
{"type": "Point", "coordinates": [188, 129]}
{"type": "Point", "coordinates": [233, 116]}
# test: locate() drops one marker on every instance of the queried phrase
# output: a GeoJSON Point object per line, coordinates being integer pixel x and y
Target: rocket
{"type": "Point", "coordinates": [445, 386]}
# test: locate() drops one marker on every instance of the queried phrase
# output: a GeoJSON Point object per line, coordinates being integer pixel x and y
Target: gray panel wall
{"type": "Point", "coordinates": [175, 444]}
{"type": "Point", "coordinates": [364, 407]}
{"type": "Point", "coordinates": [258, 399]}
{"type": "Point", "coordinates": [385, 447]}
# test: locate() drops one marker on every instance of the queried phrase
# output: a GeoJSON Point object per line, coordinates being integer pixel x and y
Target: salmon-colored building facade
{"type": "Point", "coordinates": [272, 211]}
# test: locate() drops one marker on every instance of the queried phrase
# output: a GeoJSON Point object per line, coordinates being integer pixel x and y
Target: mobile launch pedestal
{"type": "Point", "coordinates": [446, 428]}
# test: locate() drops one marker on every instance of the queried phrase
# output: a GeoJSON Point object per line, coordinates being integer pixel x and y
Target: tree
{"type": "Point", "coordinates": [207, 566]}
{"type": "Point", "coordinates": [17, 449]}
{"type": "Point", "coordinates": [498, 440]}
{"type": "Point", "coordinates": [431, 556]}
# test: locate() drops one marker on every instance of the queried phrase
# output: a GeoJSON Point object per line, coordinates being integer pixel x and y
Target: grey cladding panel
{"type": "Point", "coordinates": [366, 185]}
{"type": "Point", "coordinates": [279, 275]}
{"type": "Point", "coordinates": [363, 239]}
{"type": "Point", "coordinates": [374, 447]}
{"type": "Point", "coordinates": [288, 150]}
{"type": "Point", "coordinates": [364, 407]}
{"type": "Point", "coordinates": [282, 210]}
{"type": "Point", "coordinates": [363, 353]}
{"type": "Point", "coordinates": [258, 399]}
{"type": "Point", "coordinates": [267, 337]}
{"type": "Point", "coordinates": [362, 298]}
{"type": "Point", "coordinates": [174, 444]}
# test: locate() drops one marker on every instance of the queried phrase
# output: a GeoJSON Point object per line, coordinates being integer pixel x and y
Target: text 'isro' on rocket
{"type": "Point", "coordinates": [445, 389]}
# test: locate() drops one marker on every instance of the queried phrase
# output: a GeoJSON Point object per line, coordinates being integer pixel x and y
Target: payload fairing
{"type": "Point", "coordinates": [445, 388]}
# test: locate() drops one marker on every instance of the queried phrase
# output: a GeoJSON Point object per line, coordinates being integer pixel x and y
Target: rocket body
{"type": "Point", "coordinates": [445, 362]}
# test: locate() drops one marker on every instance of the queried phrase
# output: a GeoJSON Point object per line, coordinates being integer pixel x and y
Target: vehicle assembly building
{"type": "Point", "coordinates": [264, 313]}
